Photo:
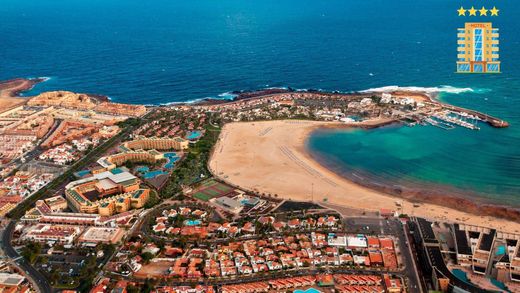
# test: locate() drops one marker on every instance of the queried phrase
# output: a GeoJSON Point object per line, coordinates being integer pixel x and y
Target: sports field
{"type": "Point", "coordinates": [210, 189]}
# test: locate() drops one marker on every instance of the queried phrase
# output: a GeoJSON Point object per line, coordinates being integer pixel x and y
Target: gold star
{"type": "Point", "coordinates": [472, 11]}
{"type": "Point", "coordinates": [483, 11]}
{"type": "Point", "coordinates": [494, 11]}
{"type": "Point", "coordinates": [462, 11]}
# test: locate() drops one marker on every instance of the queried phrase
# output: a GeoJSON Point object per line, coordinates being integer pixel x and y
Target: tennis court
{"type": "Point", "coordinates": [210, 189]}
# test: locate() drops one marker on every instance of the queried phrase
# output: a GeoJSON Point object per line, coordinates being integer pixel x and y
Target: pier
{"type": "Point", "coordinates": [493, 121]}
{"type": "Point", "coordinates": [439, 124]}
{"type": "Point", "coordinates": [450, 117]}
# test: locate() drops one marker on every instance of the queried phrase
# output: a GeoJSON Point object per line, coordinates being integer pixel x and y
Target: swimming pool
{"type": "Point", "coordinates": [252, 201]}
{"type": "Point", "coordinates": [192, 222]}
{"type": "Point", "coordinates": [116, 171]}
{"type": "Point", "coordinates": [310, 290]}
{"type": "Point", "coordinates": [82, 173]}
{"type": "Point", "coordinates": [193, 135]}
{"type": "Point", "coordinates": [153, 174]}
{"type": "Point", "coordinates": [499, 285]}
{"type": "Point", "coordinates": [142, 169]}
{"type": "Point", "coordinates": [501, 250]}
{"type": "Point", "coordinates": [460, 274]}
{"type": "Point", "coordinates": [172, 158]}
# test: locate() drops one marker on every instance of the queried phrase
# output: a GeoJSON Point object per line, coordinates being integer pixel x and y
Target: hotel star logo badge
{"type": "Point", "coordinates": [477, 42]}
{"type": "Point", "coordinates": [482, 11]}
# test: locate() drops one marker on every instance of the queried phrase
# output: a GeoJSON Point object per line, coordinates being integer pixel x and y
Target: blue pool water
{"type": "Point", "coordinates": [116, 171]}
{"type": "Point", "coordinates": [162, 51]}
{"type": "Point", "coordinates": [194, 135]}
{"type": "Point", "coordinates": [499, 284]}
{"type": "Point", "coordinates": [82, 173]}
{"type": "Point", "coordinates": [250, 201]}
{"type": "Point", "coordinates": [501, 250]}
{"type": "Point", "coordinates": [192, 222]}
{"type": "Point", "coordinates": [310, 290]}
{"type": "Point", "coordinates": [172, 158]}
{"type": "Point", "coordinates": [153, 174]}
{"type": "Point", "coordinates": [461, 275]}
{"type": "Point", "coordinates": [143, 169]}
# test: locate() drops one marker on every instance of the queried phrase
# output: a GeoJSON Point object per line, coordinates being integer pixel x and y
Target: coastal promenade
{"type": "Point", "coordinates": [276, 162]}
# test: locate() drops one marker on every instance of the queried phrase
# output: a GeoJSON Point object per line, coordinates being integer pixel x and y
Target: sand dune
{"type": "Point", "coordinates": [270, 157]}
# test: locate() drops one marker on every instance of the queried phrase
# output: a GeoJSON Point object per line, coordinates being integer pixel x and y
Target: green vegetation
{"type": "Point", "coordinates": [147, 256]}
{"type": "Point", "coordinates": [210, 189]}
{"type": "Point", "coordinates": [202, 196]}
{"type": "Point", "coordinates": [53, 186]}
{"type": "Point", "coordinates": [149, 285]}
{"type": "Point", "coordinates": [193, 167]}
{"type": "Point", "coordinates": [31, 251]}
{"type": "Point", "coordinates": [80, 279]}
{"type": "Point", "coordinates": [153, 199]}
{"type": "Point", "coordinates": [133, 122]}
{"type": "Point", "coordinates": [132, 289]}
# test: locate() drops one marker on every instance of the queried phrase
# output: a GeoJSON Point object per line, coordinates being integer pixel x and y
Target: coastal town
{"type": "Point", "coordinates": [217, 196]}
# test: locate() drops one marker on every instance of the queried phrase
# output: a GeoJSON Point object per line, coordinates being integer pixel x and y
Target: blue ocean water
{"type": "Point", "coordinates": [162, 51]}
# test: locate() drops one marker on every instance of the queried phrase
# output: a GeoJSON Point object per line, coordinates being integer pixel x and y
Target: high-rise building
{"type": "Point", "coordinates": [477, 48]}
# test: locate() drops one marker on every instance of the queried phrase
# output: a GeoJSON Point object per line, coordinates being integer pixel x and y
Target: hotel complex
{"type": "Point", "coordinates": [143, 149]}
{"type": "Point", "coordinates": [487, 252]}
{"type": "Point", "coordinates": [75, 101]}
{"type": "Point", "coordinates": [107, 193]}
{"type": "Point", "coordinates": [147, 143]}
{"type": "Point", "coordinates": [477, 48]}
{"type": "Point", "coordinates": [112, 161]}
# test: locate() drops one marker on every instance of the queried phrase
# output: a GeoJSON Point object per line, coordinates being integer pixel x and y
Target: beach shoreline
{"type": "Point", "coordinates": [10, 91]}
{"type": "Point", "coordinates": [419, 190]}
{"type": "Point", "coordinates": [435, 193]}
{"type": "Point", "coordinates": [257, 155]}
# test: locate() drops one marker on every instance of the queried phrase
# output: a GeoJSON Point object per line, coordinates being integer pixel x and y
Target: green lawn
{"type": "Point", "coordinates": [202, 196]}
{"type": "Point", "coordinates": [212, 192]}
{"type": "Point", "coordinates": [210, 189]}
{"type": "Point", "coordinates": [223, 188]}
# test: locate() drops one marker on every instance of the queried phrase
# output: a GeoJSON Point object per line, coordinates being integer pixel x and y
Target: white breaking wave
{"type": "Point", "coordinates": [222, 96]}
{"type": "Point", "coordinates": [182, 102]}
{"type": "Point", "coordinates": [429, 90]}
{"type": "Point", "coordinates": [227, 96]}
{"type": "Point", "coordinates": [43, 78]}
{"type": "Point", "coordinates": [276, 88]}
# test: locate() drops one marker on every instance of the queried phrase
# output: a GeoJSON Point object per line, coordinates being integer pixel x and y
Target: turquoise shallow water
{"type": "Point", "coordinates": [425, 157]}
{"type": "Point", "coordinates": [162, 51]}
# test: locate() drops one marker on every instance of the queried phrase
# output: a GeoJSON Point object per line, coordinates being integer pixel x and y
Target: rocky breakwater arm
{"type": "Point", "coordinates": [493, 121]}
{"type": "Point", "coordinates": [428, 98]}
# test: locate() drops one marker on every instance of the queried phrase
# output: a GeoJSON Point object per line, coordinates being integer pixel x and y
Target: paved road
{"type": "Point", "coordinates": [5, 243]}
{"type": "Point", "coordinates": [414, 281]}
{"type": "Point", "coordinates": [11, 253]}
{"type": "Point", "coordinates": [262, 277]}
{"type": "Point", "coordinates": [392, 227]}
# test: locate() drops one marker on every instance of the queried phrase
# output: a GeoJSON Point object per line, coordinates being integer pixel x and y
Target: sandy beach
{"type": "Point", "coordinates": [270, 157]}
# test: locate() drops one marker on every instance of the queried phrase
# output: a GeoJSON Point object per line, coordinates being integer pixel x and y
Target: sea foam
{"type": "Point", "coordinates": [429, 90]}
